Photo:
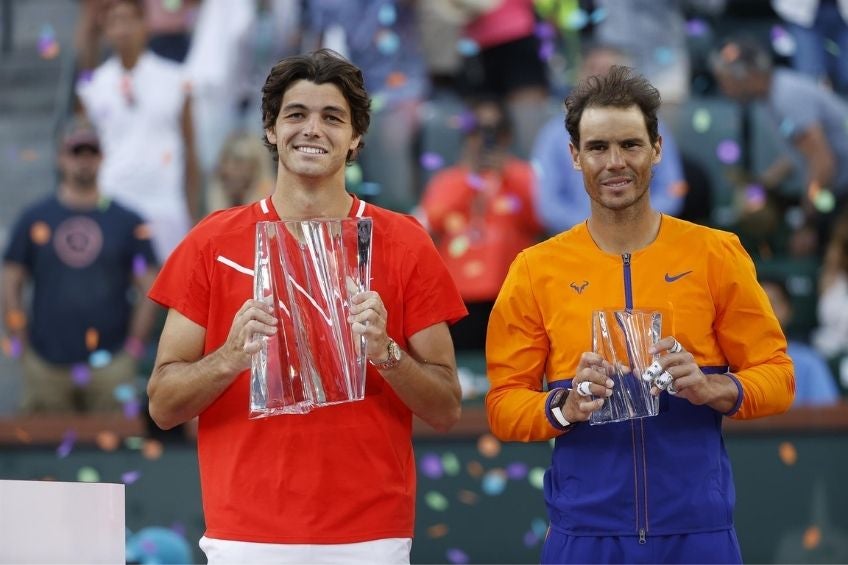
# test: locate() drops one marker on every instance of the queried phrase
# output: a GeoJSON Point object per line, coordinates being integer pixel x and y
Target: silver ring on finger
{"type": "Point", "coordinates": [662, 381]}
{"type": "Point", "coordinates": [676, 348]}
{"type": "Point", "coordinates": [583, 388]}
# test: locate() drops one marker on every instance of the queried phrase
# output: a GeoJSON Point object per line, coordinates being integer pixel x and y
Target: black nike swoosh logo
{"type": "Point", "coordinates": [672, 278]}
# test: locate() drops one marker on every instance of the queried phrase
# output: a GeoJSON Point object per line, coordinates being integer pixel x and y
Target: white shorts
{"type": "Point", "coordinates": [384, 551]}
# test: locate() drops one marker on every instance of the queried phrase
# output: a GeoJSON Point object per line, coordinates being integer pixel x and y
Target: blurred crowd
{"type": "Point", "coordinates": [467, 134]}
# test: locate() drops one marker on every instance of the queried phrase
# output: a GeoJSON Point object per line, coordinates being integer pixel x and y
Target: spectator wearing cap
{"type": "Point", "coordinates": [809, 115]}
{"type": "Point", "coordinates": [81, 335]}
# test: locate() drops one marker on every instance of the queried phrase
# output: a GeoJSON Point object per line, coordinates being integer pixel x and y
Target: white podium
{"type": "Point", "coordinates": [54, 522]}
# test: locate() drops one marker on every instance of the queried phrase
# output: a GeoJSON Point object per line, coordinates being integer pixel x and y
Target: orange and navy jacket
{"type": "Point", "coordinates": [668, 474]}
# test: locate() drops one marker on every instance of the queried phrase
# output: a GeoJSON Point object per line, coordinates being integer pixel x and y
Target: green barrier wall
{"type": "Point", "coordinates": [480, 501]}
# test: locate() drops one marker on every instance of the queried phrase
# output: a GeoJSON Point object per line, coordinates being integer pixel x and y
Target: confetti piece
{"type": "Point", "coordinates": [431, 466]}
{"type": "Point", "coordinates": [431, 161]}
{"type": "Point", "coordinates": [475, 469]}
{"type": "Point", "coordinates": [22, 435]}
{"type": "Point", "coordinates": [40, 233]}
{"type": "Point", "coordinates": [107, 440]}
{"type": "Point", "coordinates": [16, 319]}
{"type": "Point", "coordinates": [530, 539]}
{"type": "Point", "coordinates": [134, 442]}
{"type": "Point", "coordinates": [577, 19]}
{"type": "Point", "coordinates": [696, 27]}
{"type": "Point", "coordinates": [67, 445]}
{"type": "Point", "coordinates": [475, 181]}
{"type": "Point", "coordinates": [143, 231]}
{"type": "Point", "coordinates": [437, 531]}
{"type": "Point", "coordinates": [664, 56]}
{"type": "Point", "coordinates": [458, 246]}
{"type": "Point", "coordinates": [488, 446]}
{"type": "Point", "coordinates": [456, 555]}
{"type": "Point", "coordinates": [48, 47]}
{"type": "Point", "coordinates": [812, 538]}
{"type": "Point", "coordinates": [598, 15]}
{"type": "Point", "coordinates": [387, 42]}
{"type": "Point", "coordinates": [516, 471]}
{"type": "Point", "coordinates": [88, 475]}
{"type": "Point", "coordinates": [450, 463]}
{"type": "Point", "coordinates": [728, 151]}
{"type": "Point", "coordinates": [396, 80]}
{"type": "Point", "coordinates": [467, 47]}
{"type": "Point", "coordinates": [467, 497]}
{"type": "Point", "coordinates": [130, 477]}
{"type": "Point", "coordinates": [139, 265]}
{"type": "Point", "coordinates": [100, 358]}
{"type": "Point", "coordinates": [92, 338]}
{"type": "Point", "coordinates": [152, 449]}
{"type": "Point", "coordinates": [124, 392]}
{"type": "Point", "coordinates": [787, 453]}
{"type": "Point", "coordinates": [353, 174]}
{"type": "Point", "coordinates": [755, 197]}
{"type": "Point", "coordinates": [473, 269]}
{"type": "Point", "coordinates": [172, 5]}
{"type": "Point", "coordinates": [378, 102]}
{"type": "Point", "coordinates": [12, 347]}
{"type": "Point", "coordinates": [436, 501]}
{"type": "Point", "coordinates": [387, 15]}
{"type": "Point", "coordinates": [494, 482]}
{"type": "Point", "coordinates": [536, 477]}
{"type": "Point", "coordinates": [546, 50]}
{"type": "Point", "coordinates": [539, 527]}
{"type": "Point", "coordinates": [132, 409]}
{"type": "Point", "coordinates": [80, 374]}
{"type": "Point", "coordinates": [701, 120]}
{"type": "Point", "coordinates": [782, 41]}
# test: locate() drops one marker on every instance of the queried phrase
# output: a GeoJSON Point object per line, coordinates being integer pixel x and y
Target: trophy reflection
{"type": "Point", "coordinates": [308, 270]}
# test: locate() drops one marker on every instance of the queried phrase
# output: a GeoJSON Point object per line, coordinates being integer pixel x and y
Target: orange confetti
{"type": "Point", "coordinates": [812, 538]}
{"type": "Point", "coordinates": [16, 320]}
{"type": "Point", "coordinates": [92, 338]}
{"type": "Point", "coordinates": [473, 269]}
{"type": "Point", "coordinates": [40, 233]}
{"type": "Point", "coordinates": [395, 80]}
{"type": "Point", "coordinates": [437, 531]}
{"type": "Point", "coordinates": [23, 435]}
{"type": "Point", "coordinates": [787, 453]}
{"type": "Point", "coordinates": [488, 446]}
{"type": "Point", "coordinates": [475, 469]}
{"type": "Point", "coordinates": [143, 231]}
{"type": "Point", "coordinates": [167, 157]}
{"type": "Point", "coordinates": [455, 223]}
{"type": "Point", "coordinates": [467, 497]}
{"type": "Point", "coordinates": [107, 440]}
{"type": "Point", "coordinates": [152, 449]}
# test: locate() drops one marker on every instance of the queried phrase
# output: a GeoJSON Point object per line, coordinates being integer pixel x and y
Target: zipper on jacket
{"type": "Point", "coordinates": [628, 289]}
{"type": "Point", "coordinates": [640, 493]}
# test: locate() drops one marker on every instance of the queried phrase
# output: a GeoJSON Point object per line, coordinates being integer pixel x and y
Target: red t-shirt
{"type": "Point", "coordinates": [339, 474]}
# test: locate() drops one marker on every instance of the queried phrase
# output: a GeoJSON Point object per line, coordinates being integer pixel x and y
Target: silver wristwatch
{"type": "Point", "coordinates": [393, 359]}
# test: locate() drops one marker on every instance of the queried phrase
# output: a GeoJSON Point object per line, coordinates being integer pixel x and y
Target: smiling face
{"type": "Point", "coordinates": [313, 132]}
{"type": "Point", "coordinates": [616, 157]}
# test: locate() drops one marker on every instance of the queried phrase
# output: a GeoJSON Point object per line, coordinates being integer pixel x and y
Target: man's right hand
{"type": "Point", "coordinates": [253, 320]}
{"type": "Point", "coordinates": [591, 369]}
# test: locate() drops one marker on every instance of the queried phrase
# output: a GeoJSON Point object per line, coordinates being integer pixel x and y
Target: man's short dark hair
{"type": "Point", "coordinates": [621, 87]}
{"type": "Point", "coordinates": [321, 67]}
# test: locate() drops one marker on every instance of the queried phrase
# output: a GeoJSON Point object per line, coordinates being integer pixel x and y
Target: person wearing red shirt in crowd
{"type": "Point", "coordinates": [336, 484]}
{"type": "Point", "coordinates": [481, 213]}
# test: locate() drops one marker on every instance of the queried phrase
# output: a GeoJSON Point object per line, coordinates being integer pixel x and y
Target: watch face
{"type": "Point", "coordinates": [557, 397]}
